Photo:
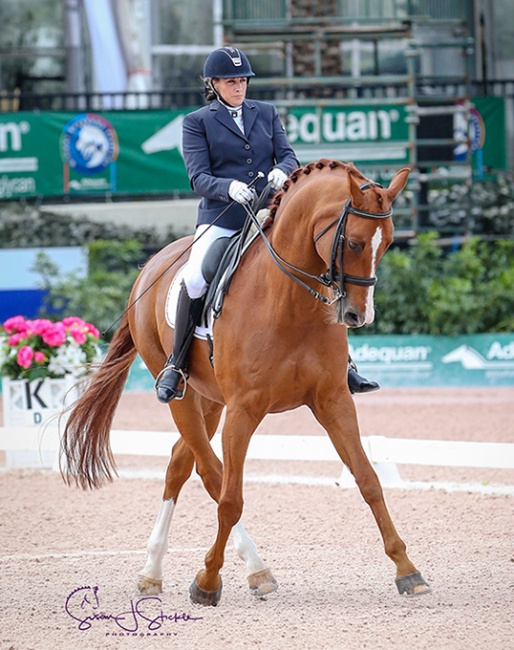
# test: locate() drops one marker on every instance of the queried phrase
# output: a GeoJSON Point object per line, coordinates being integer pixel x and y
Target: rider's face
{"type": "Point", "coordinates": [232, 91]}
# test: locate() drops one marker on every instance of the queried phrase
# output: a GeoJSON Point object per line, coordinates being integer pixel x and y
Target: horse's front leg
{"type": "Point", "coordinates": [337, 415]}
{"type": "Point", "coordinates": [237, 431]}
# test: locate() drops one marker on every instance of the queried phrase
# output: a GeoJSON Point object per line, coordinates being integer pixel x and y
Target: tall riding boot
{"type": "Point", "coordinates": [171, 381]}
{"type": "Point", "coordinates": [358, 384]}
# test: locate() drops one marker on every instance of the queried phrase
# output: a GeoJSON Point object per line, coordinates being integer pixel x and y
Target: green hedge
{"type": "Point", "coordinates": [425, 290]}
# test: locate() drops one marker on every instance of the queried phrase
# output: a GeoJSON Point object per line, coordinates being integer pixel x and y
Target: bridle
{"type": "Point", "coordinates": [332, 278]}
{"type": "Point", "coordinates": [338, 277]}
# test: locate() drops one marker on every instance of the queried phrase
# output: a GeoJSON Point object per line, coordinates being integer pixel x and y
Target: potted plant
{"type": "Point", "coordinates": [40, 361]}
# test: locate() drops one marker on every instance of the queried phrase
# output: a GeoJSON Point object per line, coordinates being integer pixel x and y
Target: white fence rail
{"type": "Point", "coordinates": [38, 447]}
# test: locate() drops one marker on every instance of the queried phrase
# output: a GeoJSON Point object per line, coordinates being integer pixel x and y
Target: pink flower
{"type": "Point", "coordinates": [15, 324]}
{"type": "Point", "coordinates": [92, 330]}
{"type": "Point", "coordinates": [39, 357]}
{"type": "Point", "coordinates": [78, 333]}
{"type": "Point", "coordinates": [40, 326]}
{"type": "Point", "coordinates": [55, 335]}
{"type": "Point", "coordinates": [25, 356]}
{"type": "Point", "coordinates": [70, 320]}
{"type": "Point", "coordinates": [14, 339]}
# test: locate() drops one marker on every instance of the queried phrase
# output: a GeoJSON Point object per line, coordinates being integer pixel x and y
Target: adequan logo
{"type": "Point", "coordinates": [471, 359]}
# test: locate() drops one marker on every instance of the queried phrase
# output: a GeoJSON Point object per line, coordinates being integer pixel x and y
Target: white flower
{"type": "Point", "coordinates": [68, 359]}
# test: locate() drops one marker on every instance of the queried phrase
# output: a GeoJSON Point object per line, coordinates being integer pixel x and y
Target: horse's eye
{"type": "Point", "coordinates": [353, 246]}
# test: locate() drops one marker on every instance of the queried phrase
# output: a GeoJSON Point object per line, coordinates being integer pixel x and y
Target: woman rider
{"type": "Point", "coordinates": [225, 145]}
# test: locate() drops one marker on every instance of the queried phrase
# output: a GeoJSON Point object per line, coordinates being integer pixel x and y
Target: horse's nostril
{"type": "Point", "coordinates": [352, 319]}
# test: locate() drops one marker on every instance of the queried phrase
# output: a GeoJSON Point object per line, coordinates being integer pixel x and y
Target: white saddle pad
{"type": "Point", "coordinates": [171, 308]}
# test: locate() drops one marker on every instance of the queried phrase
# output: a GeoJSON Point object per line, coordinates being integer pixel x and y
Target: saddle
{"type": "Point", "coordinates": [224, 255]}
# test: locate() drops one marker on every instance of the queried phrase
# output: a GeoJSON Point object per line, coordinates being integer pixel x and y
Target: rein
{"type": "Point", "coordinates": [332, 278]}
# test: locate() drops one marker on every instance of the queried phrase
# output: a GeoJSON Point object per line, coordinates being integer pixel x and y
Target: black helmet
{"type": "Point", "coordinates": [227, 63]}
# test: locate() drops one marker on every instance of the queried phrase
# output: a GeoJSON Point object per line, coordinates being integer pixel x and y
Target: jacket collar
{"type": "Point", "coordinates": [250, 112]}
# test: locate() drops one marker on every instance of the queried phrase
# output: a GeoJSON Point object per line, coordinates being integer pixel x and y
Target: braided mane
{"type": "Point", "coordinates": [323, 163]}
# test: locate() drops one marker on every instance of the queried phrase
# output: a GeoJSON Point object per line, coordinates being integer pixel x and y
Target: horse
{"type": "Point", "coordinates": [279, 343]}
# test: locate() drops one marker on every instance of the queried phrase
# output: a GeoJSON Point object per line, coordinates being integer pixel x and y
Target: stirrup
{"type": "Point", "coordinates": [179, 392]}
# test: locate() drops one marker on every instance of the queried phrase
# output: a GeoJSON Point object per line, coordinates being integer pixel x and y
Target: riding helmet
{"type": "Point", "coordinates": [227, 63]}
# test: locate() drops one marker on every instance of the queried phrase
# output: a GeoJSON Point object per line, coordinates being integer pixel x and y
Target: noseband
{"type": "Point", "coordinates": [333, 278]}
{"type": "Point", "coordinates": [338, 278]}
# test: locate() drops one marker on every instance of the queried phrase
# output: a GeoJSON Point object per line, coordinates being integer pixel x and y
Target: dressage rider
{"type": "Point", "coordinates": [225, 145]}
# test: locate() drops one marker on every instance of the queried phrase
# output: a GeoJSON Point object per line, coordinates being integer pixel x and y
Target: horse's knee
{"type": "Point", "coordinates": [230, 510]}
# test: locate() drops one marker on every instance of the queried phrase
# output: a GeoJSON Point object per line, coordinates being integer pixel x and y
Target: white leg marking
{"type": "Point", "coordinates": [158, 541]}
{"type": "Point", "coordinates": [246, 549]}
{"type": "Point", "coordinates": [370, 303]}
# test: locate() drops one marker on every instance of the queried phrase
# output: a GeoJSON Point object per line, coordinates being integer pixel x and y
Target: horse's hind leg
{"type": "Point", "coordinates": [343, 429]}
{"type": "Point", "coordinates": [179, 470]}
{"type": "Point", "coordinates": [181, 464]}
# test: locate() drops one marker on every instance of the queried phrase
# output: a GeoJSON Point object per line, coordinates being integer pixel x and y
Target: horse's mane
{"type": "Point", "coordinates": [323, 163]}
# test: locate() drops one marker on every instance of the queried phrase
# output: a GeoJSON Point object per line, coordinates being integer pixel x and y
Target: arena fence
{"type": "Point", "coordinates": [33, 447]}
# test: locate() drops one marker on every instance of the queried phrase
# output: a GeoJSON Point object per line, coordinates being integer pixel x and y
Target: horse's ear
{"type": "Point", "coordinates": [398, 183]}
{"type": "Point", "coordinates": [356, 194]}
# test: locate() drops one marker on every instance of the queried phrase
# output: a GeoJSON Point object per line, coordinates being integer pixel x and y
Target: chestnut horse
{"type": "Point", "coordinates": [281, 342]}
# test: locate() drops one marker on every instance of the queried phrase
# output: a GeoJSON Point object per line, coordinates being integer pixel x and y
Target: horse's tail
{"type": "Point", "coordinates": [86, 456]}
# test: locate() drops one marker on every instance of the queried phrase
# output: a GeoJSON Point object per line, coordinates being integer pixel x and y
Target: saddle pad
{"type": "Point", "coordinates": [171, 308]}
{"type": "Point", "coordinates": [218, 288]}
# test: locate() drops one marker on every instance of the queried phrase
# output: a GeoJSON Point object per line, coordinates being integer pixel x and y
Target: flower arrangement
{"type": "Point", "coordinates": [31, 349]}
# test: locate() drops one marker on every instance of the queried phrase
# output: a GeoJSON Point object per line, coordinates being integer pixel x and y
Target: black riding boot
{"type": "Point", "coordinates": [168, 383]}
{"type": "Point", "coordinates": [358, 384]}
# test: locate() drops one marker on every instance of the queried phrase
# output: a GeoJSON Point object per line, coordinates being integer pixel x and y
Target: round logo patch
{"type": "Point", "coordinates": [89, 143]}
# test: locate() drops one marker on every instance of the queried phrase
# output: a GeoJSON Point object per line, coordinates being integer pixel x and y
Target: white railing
{"type": "Point", "coordinates": [38, 448]}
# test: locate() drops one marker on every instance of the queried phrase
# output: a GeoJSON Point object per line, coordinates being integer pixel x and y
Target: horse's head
{"type": "Point", "coordinates": [353, 243]}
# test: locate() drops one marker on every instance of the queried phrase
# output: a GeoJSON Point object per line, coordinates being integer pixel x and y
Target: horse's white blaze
{"type": "Point", "coordinates": [370, 303]}
{"type": "Point", "coordinates": [246, 549]}
{"type": "Point", "coordinates": [158, 541]}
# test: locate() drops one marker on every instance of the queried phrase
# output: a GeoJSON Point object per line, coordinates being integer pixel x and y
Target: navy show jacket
{"type": "Point", "coordinates": [216, 152]}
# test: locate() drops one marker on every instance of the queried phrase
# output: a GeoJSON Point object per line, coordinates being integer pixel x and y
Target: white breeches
{"type": "Point", "coordinates": [204, 236]}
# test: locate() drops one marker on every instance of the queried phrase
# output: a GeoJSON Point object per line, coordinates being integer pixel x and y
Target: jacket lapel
{"type": "Point", "coordinates": [221, 114]}
{"type": "Point", "coordinates": [250, 112]}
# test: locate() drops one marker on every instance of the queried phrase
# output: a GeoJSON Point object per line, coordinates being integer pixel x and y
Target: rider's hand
{"type": "Point", "coordinates": [240, 192]}
{"type": "Point", "coordinates": [277, 178]}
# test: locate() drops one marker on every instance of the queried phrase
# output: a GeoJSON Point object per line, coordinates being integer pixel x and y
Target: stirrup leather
{"type": "Point", "coordinates": [180, 392]}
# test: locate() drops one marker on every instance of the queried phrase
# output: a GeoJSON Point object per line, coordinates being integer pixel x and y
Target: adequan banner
{"type": "Point", "coordinates": [134, 153]}
{"type": "Point", "coordinates": [409, 361]}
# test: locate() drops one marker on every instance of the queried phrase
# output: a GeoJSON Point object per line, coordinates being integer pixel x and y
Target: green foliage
{"type": "Point", "coordinates": [115, 253]}
{"type": "Point", "coordinates": [101, 297]}
{"type": "Point", "coordinates": [424, 290]}
{"type": "Point", "coordinates": [23, 226]}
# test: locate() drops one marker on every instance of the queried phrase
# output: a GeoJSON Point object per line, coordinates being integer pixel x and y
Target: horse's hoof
{"type": "Point", "coordinates": [149, 586]}
{"type": "Point", "coordinates": [262, 583]}
{"type": "Point", "coordinates": [413, 584]}
{"type": "Point", "coordinates": [200, 597]}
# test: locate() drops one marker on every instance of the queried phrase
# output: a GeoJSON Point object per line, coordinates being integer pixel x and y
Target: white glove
{"type": "Point", "coordinates": [240, 192]}
{"type": "Point", "coordinates": [277, 178]}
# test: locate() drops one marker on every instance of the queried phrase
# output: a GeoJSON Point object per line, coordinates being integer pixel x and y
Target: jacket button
{"type": "Point", "coordinates": [249, 161]}
{"type": "Point", "coordinates": [251, 174]}
{"type": "Point", "coordinates": [247, 146]}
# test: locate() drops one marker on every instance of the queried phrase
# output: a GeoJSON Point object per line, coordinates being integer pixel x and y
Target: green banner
{"type": "Point", "coordinates": [404, 361]}
{"type": "Point", "coordinates": [362, 134]}
{"type": "Point", "coordinates": [118, 152]}
{"type": "Point", "coordinates": [487, 137]}
{"type": "Point", "coordinates": [139, 152]}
